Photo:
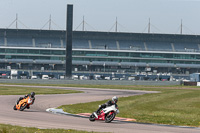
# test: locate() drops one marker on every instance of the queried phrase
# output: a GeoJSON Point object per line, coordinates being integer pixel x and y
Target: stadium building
{"type": "Point", "coordinates": [37, 52]}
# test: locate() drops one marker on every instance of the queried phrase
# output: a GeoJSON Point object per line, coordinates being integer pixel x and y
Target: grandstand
{"type": "Point", "coordinates": [44, 50]}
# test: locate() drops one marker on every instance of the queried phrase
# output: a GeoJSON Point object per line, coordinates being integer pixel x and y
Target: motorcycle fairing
{"type": "Point", "coordinates": [108, 109]}
{"type": "Point", "coordinates": [101, 116]}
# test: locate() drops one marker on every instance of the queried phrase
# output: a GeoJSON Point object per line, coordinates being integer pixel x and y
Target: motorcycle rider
{"type": "Point", "coordinates": [107, 104]}
{"type": "Point", "coordinates": [32, 95]}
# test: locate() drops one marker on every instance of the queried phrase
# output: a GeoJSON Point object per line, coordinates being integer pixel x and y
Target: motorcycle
{"type": "Point", "coordinates": [24, 103]}
{"type": "Point", "coordinates": [107, 114]}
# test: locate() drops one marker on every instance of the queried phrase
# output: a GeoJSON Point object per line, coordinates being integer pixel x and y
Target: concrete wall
{"type": "Point", "coordinates": [94, 82]}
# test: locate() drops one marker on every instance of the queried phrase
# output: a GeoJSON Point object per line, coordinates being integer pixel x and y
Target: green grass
{"type": "Point", "coordinates": [11, 90]}
{"type": "Point", "coordinates": [175, 105]}
{"type": "Point", "coordinates": [17, 129]}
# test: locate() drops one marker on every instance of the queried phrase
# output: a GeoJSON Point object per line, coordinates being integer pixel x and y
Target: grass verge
{"type": "Point", "coordinates": [4, 128]}
{"type": "Point", "coordinates": [12, 90]}
{"type": "Point", "coordinates": [175, 105]}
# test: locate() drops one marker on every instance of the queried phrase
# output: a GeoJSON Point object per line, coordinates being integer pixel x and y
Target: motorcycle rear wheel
{"type": "Point", "coordinates": [92, 117]}
{"type": "Point", "coordinates": [109, 118]}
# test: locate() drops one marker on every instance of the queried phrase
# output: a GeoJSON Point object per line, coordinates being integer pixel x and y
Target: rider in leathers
{"type": "Point", "coordinates": [32, 95]}
{"type": "Point", "coordinates": [107, 104]}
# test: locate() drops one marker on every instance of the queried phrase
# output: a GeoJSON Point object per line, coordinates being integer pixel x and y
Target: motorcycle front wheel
{"type": "Point", "coordinates": [109, 118]}
{"type": "Point", "coordinates": [92, 117]}
{"type": "Point", "coordinates": [23, 106]}
{"type": "Point", "coordinates": [15, 107]}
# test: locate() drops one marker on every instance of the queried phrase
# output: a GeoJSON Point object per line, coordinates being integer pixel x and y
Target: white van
{"type": "Point", "coordinates": [83, 77]}
{"type": "Point", "coordinates": [131, 78]}
{"type": "Point", "coordinates": [97, 77]}
{"type": "Point", "coordinates": [45, 76]}
{"type": "Point", "coordinates": [75, 77]}
{"type": "Point", "coordinates": [33, 77]}
{"type": "Point", "coordinates": [107, 78]}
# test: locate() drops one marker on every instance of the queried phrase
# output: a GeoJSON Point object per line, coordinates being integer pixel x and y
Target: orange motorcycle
{"type": "Point", "coordinates": [24, 103]}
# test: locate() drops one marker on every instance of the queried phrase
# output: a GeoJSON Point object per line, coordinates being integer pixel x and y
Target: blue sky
{"type": "Point", "coordinates": [100, 15]}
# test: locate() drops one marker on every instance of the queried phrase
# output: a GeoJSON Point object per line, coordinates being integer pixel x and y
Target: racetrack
{"type": "Point", "coordinates": [38, 117]}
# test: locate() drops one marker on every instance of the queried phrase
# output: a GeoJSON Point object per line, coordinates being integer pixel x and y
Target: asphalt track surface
{"type": "Point", "coordinates": [38, 117]}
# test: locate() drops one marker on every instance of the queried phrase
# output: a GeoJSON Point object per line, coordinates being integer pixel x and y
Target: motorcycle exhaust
{"type": "Point", "coordinates": [95, 114]}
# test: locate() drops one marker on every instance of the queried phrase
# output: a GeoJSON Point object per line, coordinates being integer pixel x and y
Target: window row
{"type": "Point", "coordinates": [99, 53]}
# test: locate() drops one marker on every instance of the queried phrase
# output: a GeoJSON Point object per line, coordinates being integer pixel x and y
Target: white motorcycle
{"type": "Point", "coordinates": [107, 114]}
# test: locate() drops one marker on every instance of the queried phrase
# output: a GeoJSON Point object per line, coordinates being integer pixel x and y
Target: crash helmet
{"type": "Point", "coordinates": [114, 99]}
{"type": "Point", "coordinates": [32, 94]}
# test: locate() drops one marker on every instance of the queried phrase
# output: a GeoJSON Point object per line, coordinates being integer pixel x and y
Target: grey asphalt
{"type": "Point", "coordinates": [38, 117]}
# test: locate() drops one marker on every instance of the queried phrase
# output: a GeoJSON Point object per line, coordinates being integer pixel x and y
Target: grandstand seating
{"type": "Point", "coordinates": [186, 47]}
{"type": "Point", "coordinates": [47, 42]}
{"type": "Point", "coordinates": [104, 44]}
{"type": "Point", "coordinates": [1, 41]}
{"type": "Point", "coordinates": [19, 41]}
{"type": "Point", "coordinates": [131, 45]}
{"type": "Point", "coordinates": [81, 40]}
{"type": "Point", "coordinates": [163, 46]}
{"type": "Point", "coordinates": [80, 44]}
{"type": "Point", "coordinates": [99, 40]}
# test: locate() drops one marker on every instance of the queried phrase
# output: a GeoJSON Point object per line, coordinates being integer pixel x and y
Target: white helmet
{"type": "Point", "coordinates": [115, 99]}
